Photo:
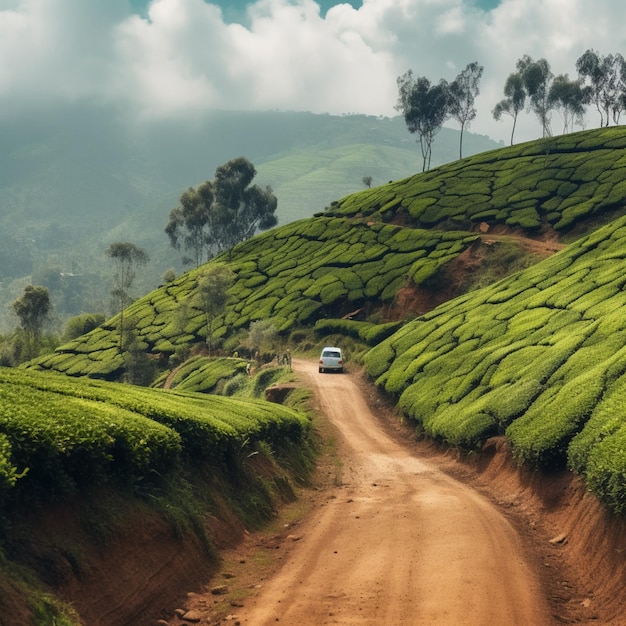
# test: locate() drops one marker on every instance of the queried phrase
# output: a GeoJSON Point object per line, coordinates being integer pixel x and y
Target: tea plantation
{"type": "Point", "coordinates": [550, 183]}
{"type": "Point", "coordinates": [293, 275]}
{"type": "Point", "coordinates": [537, 357]}
{"type": "Point", "coordinates": [60, 436]}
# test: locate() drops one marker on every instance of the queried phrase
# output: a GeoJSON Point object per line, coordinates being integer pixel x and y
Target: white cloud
{"type": "Point", "coordinates": [183, 58]}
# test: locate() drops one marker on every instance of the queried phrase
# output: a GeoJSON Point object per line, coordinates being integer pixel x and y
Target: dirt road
{"type": "Point", "coordinates": [399, 543]}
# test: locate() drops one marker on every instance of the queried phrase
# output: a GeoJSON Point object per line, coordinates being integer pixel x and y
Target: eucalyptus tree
{"type": "Point", "coordinates": [126, 257]}
{"type": "Point", "coordinates": [220, 213]}
{"type": "Point", "coordinates": [568, 99]}
{"type": "Point", "coordinates": [240, 207]}
{"type": "Point", "coordinates": [463, 92]}
{"type": "Point", "coordinates": [190, 223]}
{"type": "Point", "coordinates": [604, 83]}
{"type": "Point", "coordinates": [514, 101]}
{"type": "Point", "coordinates": [537, 77]}
{"type": "Point", "coordinates": [425, 108]}
{"type": "Point", "coordinates": [212, 295]}
{"type": "Point", "coordinates": [32, 309]}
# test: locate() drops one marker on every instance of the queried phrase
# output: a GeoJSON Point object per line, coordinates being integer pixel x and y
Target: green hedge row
{"type": "Point", "coordinates": [59, 434]}
{"type": "Point", "coordinates": [554, 182]}
{"type": "Point", "coordinates": [539, 357]}
{"type": "Point", "coordinates": [368, 332]}
{"type": "Point", "coordinates": [205, 374]}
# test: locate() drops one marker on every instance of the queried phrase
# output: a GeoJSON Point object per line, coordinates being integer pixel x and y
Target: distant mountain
{"type": "Point", "coordinates": [75, 180]}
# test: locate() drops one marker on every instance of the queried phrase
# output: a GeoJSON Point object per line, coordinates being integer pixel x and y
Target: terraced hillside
{"type": "Point", "coordinates": [550, 184]}
{"type": "Point", "coordinates": [537, 356]}
{"type": "Point", "coordinates": [294, 275]}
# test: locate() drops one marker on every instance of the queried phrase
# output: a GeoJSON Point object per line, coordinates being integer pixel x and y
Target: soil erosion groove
{"type": "Point", "coordinates": [400, 543]}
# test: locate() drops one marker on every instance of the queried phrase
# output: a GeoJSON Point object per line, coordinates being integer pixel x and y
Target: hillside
{"type": "Point", "coordinates": [73, 182]}
{"type": "Point", "coordinates": [389, 252]}
{"type": "Point", "coordinates": [484, 299]}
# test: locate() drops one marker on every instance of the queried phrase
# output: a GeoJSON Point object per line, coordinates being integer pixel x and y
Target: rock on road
{"type": "Point", "coordinates": [402, 543]}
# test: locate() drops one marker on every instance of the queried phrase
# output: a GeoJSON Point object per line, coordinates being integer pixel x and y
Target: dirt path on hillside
{"type": "Point", "coordinates": [398, 542]}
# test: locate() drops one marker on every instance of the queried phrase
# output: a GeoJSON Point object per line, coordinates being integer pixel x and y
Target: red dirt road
{"type": "Point", "coordinates": [400, 543]}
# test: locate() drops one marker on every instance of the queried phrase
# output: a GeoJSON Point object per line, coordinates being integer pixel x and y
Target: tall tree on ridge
{"type": "Point", "coordinates": [567, 97]}
{"type": "Point", "coordinates": [463, 92]}
{"type": "Point", "coordinates": [221, 213]}
{"type": "Point", "coordinates": [212, 295]}
{"type": "Point", "coordinates": [126, 257]}
{"type": "Point", "coordinates": [32, 308]}
{"type": "Point", "coordinates": [604, 83]}
{"type": "Point", "coordinates": [425, 108]}
{"type": "Point", "coordinates": [537, 78]}
{"type": "Point", "coordinates": [514, 102]}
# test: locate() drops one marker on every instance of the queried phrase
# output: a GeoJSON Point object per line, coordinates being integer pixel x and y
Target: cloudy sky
{"type": "Point", "coordinates": [160, 59]}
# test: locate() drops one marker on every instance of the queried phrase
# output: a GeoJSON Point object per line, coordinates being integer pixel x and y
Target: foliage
{"type": "Point", "coordinates": [425, 108]}
{"type": "Point", "coordinates": [59, 435]}
{"type": "Point", "coordinates": [82, 324]}
{"type": "Point", "coordinates": [463, 92]}
{"type": "Point", "coordinates": [212, 295]}
{"type": "Point", "coordinates": [221, 213]}
{"type": "Point", "coordinates": [513, 102]}
{"type": "Point", "coordinates": [32, 308]}
{"type": "Point", "coordinates": [126, 257]}
{"type": "Point", "coordinates": [603, 83]}
{"type": "Point", "coordinates": [262, 336]}
{"type": "Point", "coordinates": [537, 78]}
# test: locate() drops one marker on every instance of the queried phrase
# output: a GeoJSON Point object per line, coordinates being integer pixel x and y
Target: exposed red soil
{"type": "Point", "coordinates": [390, 538]}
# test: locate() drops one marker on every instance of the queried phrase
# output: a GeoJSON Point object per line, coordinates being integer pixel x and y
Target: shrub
{"type": "Point", "coordinates": [540, 438]}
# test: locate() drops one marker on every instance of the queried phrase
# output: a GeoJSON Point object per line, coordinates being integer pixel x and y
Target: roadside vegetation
{"type": "Point", "coordinates": [119, 449]}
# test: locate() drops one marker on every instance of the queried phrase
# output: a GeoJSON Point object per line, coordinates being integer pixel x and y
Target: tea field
{"type": "Point", "coordinates": [537, 357]}
{"type": "Point", "coordinates": [60, 435]}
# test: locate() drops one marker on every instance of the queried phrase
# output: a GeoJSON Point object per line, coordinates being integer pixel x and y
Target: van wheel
{"type": "Point", "coordinates": [321, 370]}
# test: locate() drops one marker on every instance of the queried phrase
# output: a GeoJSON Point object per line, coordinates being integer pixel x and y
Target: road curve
{"type": "Point", "coordinates": [401, 543]}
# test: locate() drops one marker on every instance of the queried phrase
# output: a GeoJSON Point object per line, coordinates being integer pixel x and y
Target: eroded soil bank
{"type": "Point", "coordinates": [382, 545]}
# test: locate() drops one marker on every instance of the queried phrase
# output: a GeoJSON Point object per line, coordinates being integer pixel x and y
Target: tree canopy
{"type": "Point", "coordinates": [212, 295]}
{"type": "Point", "coordinates": [514, 101]}
{"type": "Point", "coordinates": [463, 92]}
{"type": "Point", "coordinates": [425, 108]}
{"type": "Point", "coordinates": [537, 77]}
{"type": "Point", "coordinates": [32, 309]}
{"type": "Point", "coordinates": [219, 214]}
{"type": "Point", "coordinates": [126, 257]}
{"type": "Point", "coordinates": [567, 98]}
{"type": "Point", "coordinates": [604, 83]}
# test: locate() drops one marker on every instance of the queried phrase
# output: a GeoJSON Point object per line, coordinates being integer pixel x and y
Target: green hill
{"type": "Point", "coordinates": [539, 357]}
{"type": "Point", "coordinates": [73, 182]}
{"type": "Point", "coordinates": [492, 361]}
